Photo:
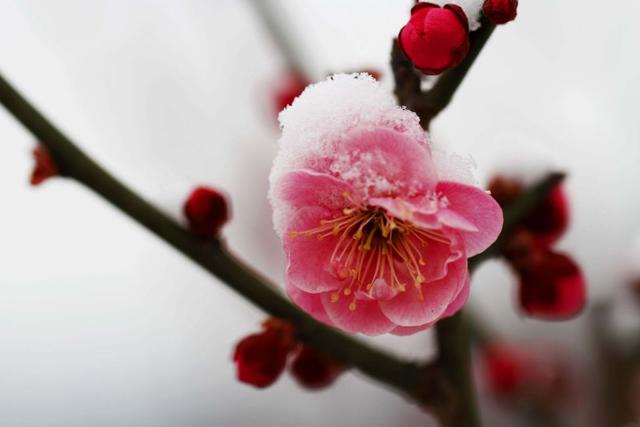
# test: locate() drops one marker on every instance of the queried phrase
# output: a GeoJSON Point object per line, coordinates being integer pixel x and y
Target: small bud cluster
{"type": "Point", "coordinates": [551, 284]}
{"type": "Point", "coordinates": [537, 374]}
{"type": "Point", "coordinates": [261, 358]}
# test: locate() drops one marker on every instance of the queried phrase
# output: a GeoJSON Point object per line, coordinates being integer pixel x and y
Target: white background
{"type": "Point", "coordinates": [102, 324]}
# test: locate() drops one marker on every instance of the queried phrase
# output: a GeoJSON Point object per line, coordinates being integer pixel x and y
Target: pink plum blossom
{"type": "Point", "coordinates": [376, 242]}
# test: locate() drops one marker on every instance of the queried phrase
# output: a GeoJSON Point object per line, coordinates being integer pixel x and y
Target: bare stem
{"type": "Point", "coordinates": [272, 19]}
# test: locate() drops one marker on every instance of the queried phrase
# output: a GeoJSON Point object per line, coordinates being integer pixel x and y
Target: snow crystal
{"type": "Point", "coordinates": [472, 8]}
{"type": "Point", "coordinates": [454, 167]}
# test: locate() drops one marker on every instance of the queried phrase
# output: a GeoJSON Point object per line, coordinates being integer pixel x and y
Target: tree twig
{"type": "Point", "coordinates": [272, 19]}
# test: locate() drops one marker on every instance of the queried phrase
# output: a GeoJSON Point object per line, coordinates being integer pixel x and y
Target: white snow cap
{"type": "Point", "coordinates": [471, 8]}
{"type": "Point", "coordinates": [320, 117]}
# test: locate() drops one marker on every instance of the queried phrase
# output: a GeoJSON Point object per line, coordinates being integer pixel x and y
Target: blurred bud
{"type": "Point", "coordinates": [314, 369]}
{"type": "Point", "coordinates": [505, 190]}
{"type": "Point", "coordinates": [552, 286]}
{"type": "Point", "coordinates": [206, 211]}
{"type": "Point", "coordinates": [536, 373]}
{"type": "Point", "coordinates": [550, 219]}
{"type": "Point", "coordinates": [547, 222]}
{"type": "Point", "coordinates": [500, 11]}
{"type": "Point", "coordinates": [287, 90]}
{"type": "Point", "coordinates": [503, 368]}
{"type": "Point", "coordinates": [435, 38]}
{"type": "Point", "coordinates": [44, 166]}
{"type": "Point", "coordinates": [261, 358]}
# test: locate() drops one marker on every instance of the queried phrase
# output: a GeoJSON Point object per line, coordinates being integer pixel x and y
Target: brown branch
{"type": "Point", "coordinates": [272, 19]}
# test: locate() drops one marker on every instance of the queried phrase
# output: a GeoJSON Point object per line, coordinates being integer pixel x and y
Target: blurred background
{"type": "Point", "coordinates": [102, 324]}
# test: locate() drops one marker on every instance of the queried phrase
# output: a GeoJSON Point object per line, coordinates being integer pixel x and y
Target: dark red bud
{"type": "Point", "coordinates": [435, 38]}
{"type": "Point", "coordinates": [288, 89]}
{"type": "Point", "coordinates": [500, 11]}
{"type": "Point", "coordinates": [261, 358]}
{"type": "Point", "coordinates": [552, 287]}
{"type": "Point", "coordinates": [206, 211]}
{"type": "Point", "coordinates": [314, 369]}
{"type": "Point", "coordinates": [44, 167]}
{"type": "Point", "coordinates": [503, 368]}
{"type": "Point", "coordinates": [550, 219]}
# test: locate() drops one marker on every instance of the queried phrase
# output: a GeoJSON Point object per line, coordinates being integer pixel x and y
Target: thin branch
{"type": "Point", "coordinates": [424, 384]}
{"type": "Point", "coordinates": [272, 19]}
{"type": "Point", "coordinates": [427, 105]}
{"type": "Point", "coordinates": [210, 255]}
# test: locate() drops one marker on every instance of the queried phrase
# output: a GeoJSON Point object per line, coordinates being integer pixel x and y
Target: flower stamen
{"type": "Point", "coordinates": [366, 235]}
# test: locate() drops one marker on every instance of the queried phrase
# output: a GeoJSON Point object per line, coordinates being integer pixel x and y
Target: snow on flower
{"type": "Point", "coordinates": [375, 241]}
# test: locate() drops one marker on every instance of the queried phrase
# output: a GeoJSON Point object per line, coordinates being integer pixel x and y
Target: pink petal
{"type": "Point", "coordinates": [304, 187]}
{"type": "Point", "coordinates": [452, 219]}
{"type": "Point", "coordinates": [478, 208]}
{"type": "Point", "coordinates": [460, 300]}
{"type": "Point", "coordinates": [384, 162]}
{"type": "Point", "coordinates": [366, 318]}
{"type": "Point", "coordinates": [438, 256]}
{"type": "Point", "coordinates": [308, 267]}
{"type": "Point", "coordinates": [311, 303]}
{"type": "Point", "coordinates": [404, 330]}
{"type": "Point", "coordinates": [397, 207]}
{"type": "Point", "coordinates": [380, 291]}
{"type": "Point", "coordinates": [407, 309]}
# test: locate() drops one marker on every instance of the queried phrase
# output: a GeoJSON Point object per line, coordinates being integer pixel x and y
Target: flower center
{"type": "Point", "coordinates": [372, 248]}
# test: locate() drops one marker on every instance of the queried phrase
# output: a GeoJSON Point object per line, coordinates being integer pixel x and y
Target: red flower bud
{"type": "Point", "coordinates": [547, 222]}
{"type": "Point", "coordinates": [44, 167]}
{"type": "Point", "coordinates": [500, 11]}
{"type": "Point", "coordinates": [551, 287]}
{"type": "Point", "coordinates": [206, 211]}
{"type": "Point", "coordinates": [261, 358]}
{"type": "Point", "coordinates": [536, 372]}
{"type": "Point", "coordinates": [550, 219]}
{"type": "Point", "coordinates": [314, 369]}
{"type": "Point", "coordinates": [504, 190]}
{"type": "Point", "coordinates": [435, 38]}
{"type": "Point", "coordinates": [287, 90]}
{"type": "Point", "coordinates": [504, 369]}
